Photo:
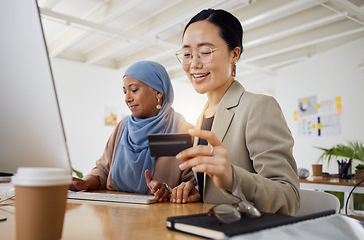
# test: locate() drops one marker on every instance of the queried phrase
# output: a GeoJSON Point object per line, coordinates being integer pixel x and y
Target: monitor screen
{"type": "Point", "coordinates": [31, 129]}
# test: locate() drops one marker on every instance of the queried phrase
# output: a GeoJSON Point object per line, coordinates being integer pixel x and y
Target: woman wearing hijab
{"type": "Point", "coordinates": [126, 164]}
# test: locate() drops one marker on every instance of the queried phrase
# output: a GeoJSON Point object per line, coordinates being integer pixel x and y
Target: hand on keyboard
{"type": "Point", "coordinates": [78, 184]}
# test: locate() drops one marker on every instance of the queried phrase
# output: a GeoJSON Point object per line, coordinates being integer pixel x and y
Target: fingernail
{"type": "Point", "coordinates": [181, 166]}
{"type": "Point", "coordinates": [179, 155]}
{"type": "Point", "coordinates": [183, 200]}
{"type": "Point", "coordinates": [178, 200]}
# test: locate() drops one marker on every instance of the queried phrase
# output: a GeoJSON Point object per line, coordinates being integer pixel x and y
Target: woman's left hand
{"type": "Point", "coordinates": [185, 193]}
{"type": "Point", "coordinates": [211, 159]}
{"type": "Point", "coordinates": [159, 189]}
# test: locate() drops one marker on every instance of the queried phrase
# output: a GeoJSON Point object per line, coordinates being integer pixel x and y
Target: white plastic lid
{"type": "Point", "coordinates": [38, 177]}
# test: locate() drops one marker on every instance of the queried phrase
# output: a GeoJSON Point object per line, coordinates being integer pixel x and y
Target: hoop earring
{"type": "Point", "coordinates": [233, 70]}
{"type": "Point", "coordinates": [158, 106]}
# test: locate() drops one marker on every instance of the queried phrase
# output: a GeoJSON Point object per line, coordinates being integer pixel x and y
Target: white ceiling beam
{"type": "Point", "coordinates": [112, 46]}
{"type": "Point", "coordinates": [299, 41]}
{"type": "Point", "coordinates": [117, 8]}
{"type": "Point", "coordinates": [284, 58]}
{"type": "Point", "coordinates": [70, 20]}
{"type": "Point", "coordinates": [131, 47]}
{"type": "Point", "coordinates": [178, 14]}
{"type": "Point", "coordinates": [67, 39]}
{"type": "Point", "coordinates": [278, 13]}
{"type": "Point", "coordinates": [350, 8]}
{"type": "Point", "coordinates": [146, 37]}
{"type": "Point", "coordinates": [158, 25]}
{"type": "Point", "coordinates": [287, 33]}
{"type": "Point", "coordinates": [292, 31]}
{"type": "Point", "coordinates": [73, 35]}
{"type": "Point", "coordinates": [162, 19]}
{"type": "Point", "coordinates": [283, 34]}
{"type": "Point", "coordinates": [96, 27]}
{"type": "Point", "coordinates": [170, 18]}
{"type": "Point", "coordinates": [48, 3]}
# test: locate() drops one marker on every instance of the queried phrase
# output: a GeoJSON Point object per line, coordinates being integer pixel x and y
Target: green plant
{"type": "Point", "coordinates": [353, 150]}
{"type": "Point", "coordinates": [78, 174]}
{"type": "Point", "coordinates": [360, 166]}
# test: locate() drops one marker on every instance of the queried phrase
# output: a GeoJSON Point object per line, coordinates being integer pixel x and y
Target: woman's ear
{"type": "Point", "coordinates": [235, 54]}
{"type": "Point", "coordinates": [159, 95]}
{"type": "Point", "coordinates": [159, 99]}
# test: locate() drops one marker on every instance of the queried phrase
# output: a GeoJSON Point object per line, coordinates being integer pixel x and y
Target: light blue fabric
{"type": "Point", "coordinates": [132, 155]}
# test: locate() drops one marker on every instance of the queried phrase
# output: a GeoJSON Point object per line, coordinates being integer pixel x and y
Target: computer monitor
{"type": "Point", "coordinates": [31, 129]}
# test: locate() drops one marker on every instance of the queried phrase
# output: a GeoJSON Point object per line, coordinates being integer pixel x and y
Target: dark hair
{"type": "Point", "coordinates": [230, 28]}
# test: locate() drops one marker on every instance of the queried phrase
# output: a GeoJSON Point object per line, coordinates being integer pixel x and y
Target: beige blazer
{"type": "Point", "coordinates": [259, 144]}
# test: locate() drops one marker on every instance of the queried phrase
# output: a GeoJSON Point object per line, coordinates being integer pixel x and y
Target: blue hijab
{"type": "Point", "coordinates": [132, 154]}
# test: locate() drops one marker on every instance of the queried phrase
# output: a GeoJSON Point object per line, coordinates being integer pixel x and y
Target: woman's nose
{"type": "Point", "coordinates": [128, 98]}
{"type": "Point", "coordinates": [195, 62]}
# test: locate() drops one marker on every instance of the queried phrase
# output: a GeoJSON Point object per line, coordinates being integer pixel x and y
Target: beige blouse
{"type": "Point", "coordinates": [165, 170]}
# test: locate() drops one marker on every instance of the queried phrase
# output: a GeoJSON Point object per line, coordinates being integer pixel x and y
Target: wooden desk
{"type": "Point", "coordinates": [331, 184]}
{"type": "Point", "coordinates": [107, 220]}
{"type": "Point", "coordinates": [334, 184]}
{"type": "Point", "coordinates": [104, 220]}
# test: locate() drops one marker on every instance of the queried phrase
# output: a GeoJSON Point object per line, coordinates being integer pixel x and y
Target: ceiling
{"type": "Point", "coordinates": [117, 33]}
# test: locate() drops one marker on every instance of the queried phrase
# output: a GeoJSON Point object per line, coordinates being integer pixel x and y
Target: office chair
{"type": "Point", "coordinates": [314, 201]}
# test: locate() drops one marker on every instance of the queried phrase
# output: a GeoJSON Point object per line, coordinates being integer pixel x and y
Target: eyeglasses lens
{"type": "Point", "coordinates": [204, 55]}
{"type": "Point", "coordinates": [226, 213]}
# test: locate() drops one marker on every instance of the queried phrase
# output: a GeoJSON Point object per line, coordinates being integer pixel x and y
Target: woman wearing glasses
{"type": "Point", "coordinates": [126, 164]}
{"type": "Point", "coordinates": [244, 144]}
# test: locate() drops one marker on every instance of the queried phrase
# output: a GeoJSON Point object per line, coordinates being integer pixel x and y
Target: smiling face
{"type": "Point", "coordinates": [141, 98]}
{"type": "Point", "coordinates": [216, 74]}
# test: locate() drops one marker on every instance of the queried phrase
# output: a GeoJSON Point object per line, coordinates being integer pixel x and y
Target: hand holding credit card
{"type": "Point", "coordinates": [168, 144]}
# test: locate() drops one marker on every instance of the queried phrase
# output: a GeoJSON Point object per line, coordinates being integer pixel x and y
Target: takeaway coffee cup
{"type": "Point", "coordinates": [40, 202]}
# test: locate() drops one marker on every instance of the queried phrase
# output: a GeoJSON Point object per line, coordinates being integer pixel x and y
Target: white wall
{"type": "Point", "coordinates": [85, 91]}
{"type": "Point", "coordinates": [330, 74]}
